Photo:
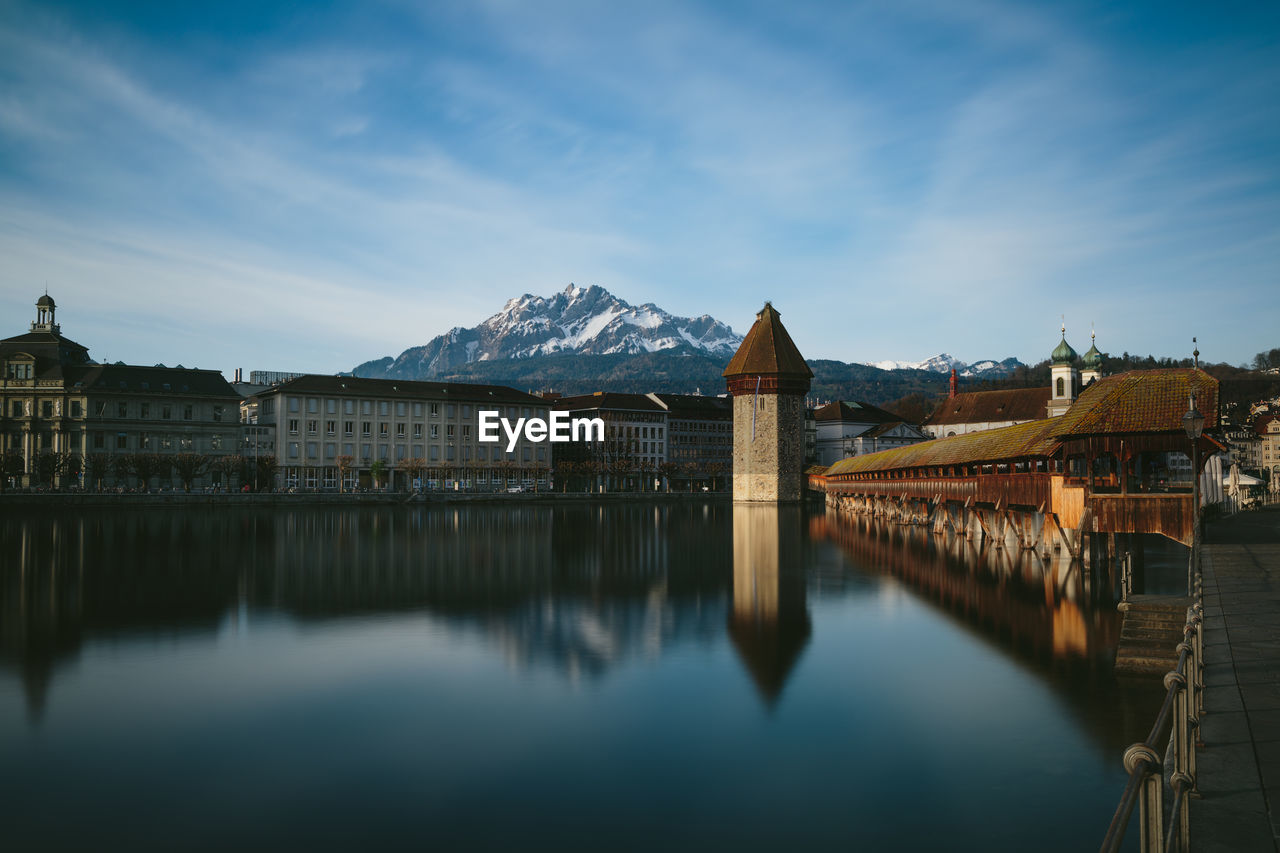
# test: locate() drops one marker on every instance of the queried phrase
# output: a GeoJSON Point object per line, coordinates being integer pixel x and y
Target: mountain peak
{"type": "Point", "coordinates": [586, 321]}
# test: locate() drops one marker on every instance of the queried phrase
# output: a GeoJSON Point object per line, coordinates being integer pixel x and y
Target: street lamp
{"type": "Point", "coordinates": [1193, 425]}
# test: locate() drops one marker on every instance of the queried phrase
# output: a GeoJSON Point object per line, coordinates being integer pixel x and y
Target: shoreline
{"type": "Point", "coordinates": [41, 500]}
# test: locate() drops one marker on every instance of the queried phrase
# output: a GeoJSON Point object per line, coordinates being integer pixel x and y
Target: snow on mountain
{"type": "Point", "coordinates": [943, 363]}
{"type": "Point", "coordinates": [588, 321]}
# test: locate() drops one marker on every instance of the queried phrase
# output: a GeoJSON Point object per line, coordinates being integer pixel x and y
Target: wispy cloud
{"type": "Point", "coordinates": [344, 190]}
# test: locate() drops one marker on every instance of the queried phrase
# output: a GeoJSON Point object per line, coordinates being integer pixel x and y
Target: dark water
{"type": "Point", "coordinates": [693, 676]}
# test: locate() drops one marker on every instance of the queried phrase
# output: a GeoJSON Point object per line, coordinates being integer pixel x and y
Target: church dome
{"type": "Point", "coordinates": [1092, 359]}
{"type": "Point", "coordinates": [45, 301]}
{"type": "Point", "coordinates": [1063, 353]}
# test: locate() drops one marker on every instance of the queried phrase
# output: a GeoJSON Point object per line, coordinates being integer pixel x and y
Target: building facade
{"type": "Point", "coordinates": [852, 428]}
{"type": "Point", "coordinates": [68, 421]}
{"type": "Point", "coordinates": [342, 433]}
{"type": "Point", "coordinates": [633, 454]}
{"type": "Point", "coordinates": [699, 438]}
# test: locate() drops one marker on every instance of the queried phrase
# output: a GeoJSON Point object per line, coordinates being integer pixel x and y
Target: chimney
{"type": "Point", "coordinates": [954, 384]}
{"type": "Point", "coordinates": [239, 374]}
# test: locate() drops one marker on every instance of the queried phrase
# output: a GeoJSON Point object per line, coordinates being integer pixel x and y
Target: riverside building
{"type": "Point", "coordinates": [66, 420]}
{"type": "Point", "coordinates": [343, 432]}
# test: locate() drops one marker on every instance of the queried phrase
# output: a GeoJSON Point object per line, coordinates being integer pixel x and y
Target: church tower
{"type": "Point", "coordinates": [768, 379]}
{"type": "Point", "coordinates": [1091, 364]}
{"type": "Point", "coordinates": [1064, 379]}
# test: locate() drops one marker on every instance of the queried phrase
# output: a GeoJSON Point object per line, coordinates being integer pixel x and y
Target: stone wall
{"type": "Point", "coordinates": [769, 466]}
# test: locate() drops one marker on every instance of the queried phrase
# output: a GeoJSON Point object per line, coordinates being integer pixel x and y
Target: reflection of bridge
{"type": "Point", "coordinates": [1101, 469]}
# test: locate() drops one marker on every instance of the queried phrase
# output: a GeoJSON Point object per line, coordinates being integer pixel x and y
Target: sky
{"type": "Point", "coordinates": [306, 186]}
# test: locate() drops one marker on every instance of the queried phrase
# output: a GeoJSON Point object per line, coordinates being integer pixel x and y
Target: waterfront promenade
{"type": "Point", "coordinates": [1239, 765]}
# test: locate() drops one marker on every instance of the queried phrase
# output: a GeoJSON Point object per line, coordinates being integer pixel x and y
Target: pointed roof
{"type": "Point", "coordinates": [768, 350]}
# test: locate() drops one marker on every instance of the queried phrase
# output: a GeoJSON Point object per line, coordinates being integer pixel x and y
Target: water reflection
{"type": "Point", "coordinates": [769, 622]}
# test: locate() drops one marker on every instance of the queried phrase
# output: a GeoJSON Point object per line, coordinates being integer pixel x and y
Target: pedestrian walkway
{"type": "Point", "coordinates": [1239, 764]}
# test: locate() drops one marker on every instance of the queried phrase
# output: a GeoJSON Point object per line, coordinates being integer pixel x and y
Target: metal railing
{"type": "Point", "coordinates": [1181, 712]}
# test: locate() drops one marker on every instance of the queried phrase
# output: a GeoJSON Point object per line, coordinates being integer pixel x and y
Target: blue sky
{"type": "Point", "coordinates": [306, 186]}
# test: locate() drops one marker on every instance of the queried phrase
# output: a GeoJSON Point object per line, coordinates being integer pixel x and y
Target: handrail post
{"type": "Point", "coordinates": [1150, 796]}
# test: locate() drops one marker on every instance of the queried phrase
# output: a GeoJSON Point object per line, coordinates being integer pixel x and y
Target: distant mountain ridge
{"type": "Point", "coordinates": [586, 339]}
{"type": "Point", "coordinates": [943, 363]}
{"type": "Point", "coordinates": [582, 321]}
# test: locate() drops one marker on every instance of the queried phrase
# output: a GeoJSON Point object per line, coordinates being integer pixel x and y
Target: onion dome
{"type": "Point", "coordinates": [1063, 353]}
{"type": "Point", "coordinates": [1092, 359]}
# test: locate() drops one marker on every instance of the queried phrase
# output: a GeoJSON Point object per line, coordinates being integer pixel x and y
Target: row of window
{"type": "Point", "coordinates": [366, 429]}
{"type": "Point", "coordinates": [399, 452]}
{"type": "Point", "coordinates": [164, 411]}
{"type": "Point", "coordinates": [402, 408]}
{"type": "Point", "coordinates": [147, 441]}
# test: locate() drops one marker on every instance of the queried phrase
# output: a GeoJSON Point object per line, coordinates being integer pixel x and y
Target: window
{"type": "Point", "coordinates": [466, 431]}
{"type": "Point", "coordinates": [435, 453]}
{"type": "Point", "coordinates": [366, 407]}
{"type": "Point", "coordinates": [348, 427]}
{"type": "Point", "coordinates": [1061, 388]}
{"type": "Point", "coordinates": [382, 429]}
{"type": "Point", "coordinates": [400, 409]}
{"type": "Point", "coordinates": [187, 411]}
{"type": "Point", "coordinates": [144, 410]}
{"type": "Point", "coordinates": [450, 410]}
{"type": "Point", "coordinates": [293, 450]}
{"type": "Point", "coordinates": [330, 450]}
{"type": "Point", "coordinates": [166, 412]}
{"type": "Point", "coordinates": [466, 411]}
{"type": "Point", "coordinates": [330, 427]}
{"type": "Point", "coordinates": [122, 441]}
{"type": "Point", "coordinates": [16, 409]}
{"type": "Point", "coordinates": [365, 427]}
{"type": "Point", "coordinates": [448, 453]}
{"type": "Point", "coordinates": [435, 410]}
{"type": "Point", "coordinates": [99, 441]}
{"type": "Point", "coordinates": [417, 410]}
{"type": "Point", "coordinates": [311, 450]}
{"type": "Point", "coordinates": [293, 404]}
{"type": "Point", "coordinates": [215, 442]}
{"type": "Point", "coordinates": [435, 431]}
{"type": "Point", "coordinates": [312, 427]}
{"type": "Point", "coordinates": [293, 426]}
{"type": "Point", "coordinates": [269, 407]}
{"type": "Point", "coordinates": [399, 430]}
{"type": "Point", "coordinates": [144, 441]}
{"type": "Point", "coordinates": [166, 442]}
{"type": "Point", "coordinates": [448, 431]}
{"type": "Point", "coordinates": [384, 408]}
{"type": "Point", "coordinates": [46, 408]}
{"type": "Point", "coordinates": [348, 407]}
{"type": "Point", "coordinates": [330, 407]}
{"type": "Point", "coordinates": [185, 442]}
{"type": "Point", "coordinates": [217, 414]}
{"type": "Point", "coordinates": [313, 406]}
{"type": "Point", "coordinates": [417, 430]}
{"type": "Point", "coordinates": [19, 370]}
{"type": "Point", "coordinates": [76, 409]}
{"type": "Point", "coordinates": [122, 410]}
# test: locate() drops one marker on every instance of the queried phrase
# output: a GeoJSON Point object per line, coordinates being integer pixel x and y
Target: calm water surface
{"type": "Point", "coordinates": [690, 676]}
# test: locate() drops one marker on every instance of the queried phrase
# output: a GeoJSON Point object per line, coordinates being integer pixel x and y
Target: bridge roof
{"type": "Point", "coordinates": [1032, 438]}
{"type": "Point", "coordinates": [1140, 401]}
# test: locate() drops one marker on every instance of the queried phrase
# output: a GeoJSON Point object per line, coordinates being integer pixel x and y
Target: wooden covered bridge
{"type": "Point", "coordinates": [1109, 465]}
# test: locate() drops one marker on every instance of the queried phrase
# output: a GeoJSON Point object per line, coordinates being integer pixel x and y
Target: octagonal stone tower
{"type": "Point", "coordinates": [768, 379]}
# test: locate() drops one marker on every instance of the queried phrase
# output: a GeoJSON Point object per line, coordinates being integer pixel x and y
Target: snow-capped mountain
{"type": "Point", "coordinates": [943, 363]}
{"type": "Point", "coordinates": [586, 321]}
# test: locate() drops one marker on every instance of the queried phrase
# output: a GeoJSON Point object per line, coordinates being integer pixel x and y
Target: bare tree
{"type": "Point", "coordinates": [188, 466]}
{"type": "Point", "coordinates": [345, 464]}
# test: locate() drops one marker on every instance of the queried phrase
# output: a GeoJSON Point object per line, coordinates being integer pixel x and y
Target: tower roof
{"type": "Point", "coordinates": [1063, 353]}
{"type": "Point", "coordinates": [46, 301]}
{"type": "Point", "coordinates": [768, 350]}
{"type": "Point", "coordinates": [1092, 359]}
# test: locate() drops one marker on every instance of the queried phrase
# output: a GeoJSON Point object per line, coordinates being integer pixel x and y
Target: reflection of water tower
{"type": "Point", "coordinates": [769, 623]}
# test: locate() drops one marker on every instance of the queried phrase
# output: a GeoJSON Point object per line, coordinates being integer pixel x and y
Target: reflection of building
{"type": "Point", "coordinates": [768, 379]}
{"type": "Point", "coordinates": [60, 412]}
{"type": "Point", "coordinates": [321, 425]}
{"type": "Point", "coordinates": [769, 622]}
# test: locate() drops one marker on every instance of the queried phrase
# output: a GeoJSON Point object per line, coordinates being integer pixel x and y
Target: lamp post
{"type": "Point", "coordinates": [1193, 424]}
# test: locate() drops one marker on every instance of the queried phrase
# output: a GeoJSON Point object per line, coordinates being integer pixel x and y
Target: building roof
{"type": "Point", "coordinates": [1140, 401]}
{"type": "Point", "coordinates": [358, 386]}
{"type": "Point", "coordinates": [768, 350]}
{"type": "Point", "coordinates": [133, 380]}
{"type": "Point", "coordinates": [608, 400]}
{"type": "Point", "coordinates": [855, 411]}
{"type": "Point", "coordinates": [1012, 442]}
{"type": "Point", "coordinates": [981, 407]}
{"type": "Point", "coordinates": [695, 406]}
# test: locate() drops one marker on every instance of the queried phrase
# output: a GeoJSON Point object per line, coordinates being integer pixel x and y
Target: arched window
{"type": "Point", "coordinates": [1062, 387]}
